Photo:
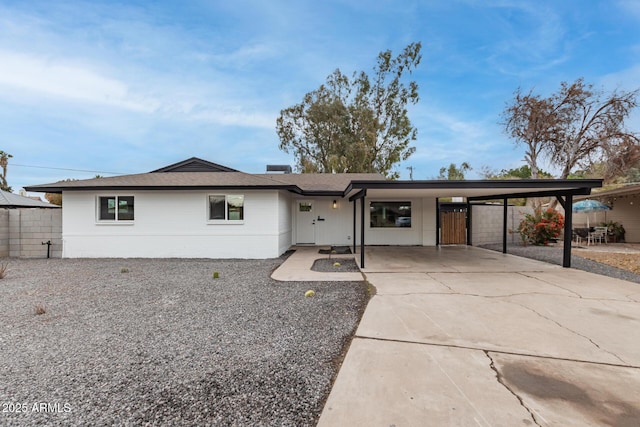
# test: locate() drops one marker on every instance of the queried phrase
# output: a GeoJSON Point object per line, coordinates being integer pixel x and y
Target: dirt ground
{"type": "Point", "coordinates": [627, 257]}
{"type": "Point", "coordinates": [625, 261]}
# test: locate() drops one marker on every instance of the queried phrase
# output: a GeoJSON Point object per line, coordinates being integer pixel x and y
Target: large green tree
{"type": "Point", "coordinates": [453, 172]}
{"type": "Point", "coordinates": [4, 162]}
{"type": "Point", "coordinates": [523, 172]}
{"type": "Point", "coordinates": [355, 124]}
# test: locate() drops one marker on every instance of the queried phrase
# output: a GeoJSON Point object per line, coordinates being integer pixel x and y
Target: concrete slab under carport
{"type": "Point", "coordinates": [452, 259]}
{"type": "Point", "coordinates": [564, 345]}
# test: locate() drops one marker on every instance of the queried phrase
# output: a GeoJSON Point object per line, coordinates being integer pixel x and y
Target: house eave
{"type": "Point", "coordinates": [59, 190]}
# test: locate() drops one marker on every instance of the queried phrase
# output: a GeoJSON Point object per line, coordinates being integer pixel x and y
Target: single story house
{"type": "Point", "coordinates": [201, 209]}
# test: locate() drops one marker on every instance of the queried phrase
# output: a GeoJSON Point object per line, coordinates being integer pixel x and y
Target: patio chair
{"type": "Point", "coordinates": [598, 234]}
{"type": "Point", "coordinates": [579, 234]}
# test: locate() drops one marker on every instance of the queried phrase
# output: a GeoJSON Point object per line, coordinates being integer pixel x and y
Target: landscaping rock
{"type": "Point", "coordinates": [166, 344]}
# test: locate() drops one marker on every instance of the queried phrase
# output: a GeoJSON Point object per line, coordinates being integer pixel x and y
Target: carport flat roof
{"type": "Point", "coordinates": [473, 189]}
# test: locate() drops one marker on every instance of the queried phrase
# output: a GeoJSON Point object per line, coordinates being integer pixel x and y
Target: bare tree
{"type": "Point", "coordinates": [589, 126]}
{"type": "Point", "coordinates": [529, 119]}
{"type": "Point", "coordinates": [576, 127]}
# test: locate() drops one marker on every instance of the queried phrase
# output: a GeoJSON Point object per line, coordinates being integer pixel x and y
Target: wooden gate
{"type": "Point", "coordinates": [453, 226]}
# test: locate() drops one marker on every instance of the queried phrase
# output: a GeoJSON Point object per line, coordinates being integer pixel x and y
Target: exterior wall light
{"type": "Point", "coordinates": [335, 204]}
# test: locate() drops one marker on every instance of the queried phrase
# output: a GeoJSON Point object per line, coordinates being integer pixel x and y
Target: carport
{"type": "Point", "coordinates": [474, 191]}
{"type": "Point", "coordinates": [460, 335]}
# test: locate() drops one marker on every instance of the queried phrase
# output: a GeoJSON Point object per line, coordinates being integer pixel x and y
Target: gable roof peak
{"type": "Point", "coordinates": [195, 164]}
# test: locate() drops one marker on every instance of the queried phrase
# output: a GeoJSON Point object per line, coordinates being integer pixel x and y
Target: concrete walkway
{"type": "Point", "coordinates": [461, 336]}
{"type": "Point", "coordinates": [297, 268]}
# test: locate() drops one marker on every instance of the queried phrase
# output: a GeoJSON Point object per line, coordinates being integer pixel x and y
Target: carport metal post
{"type": "Point", "coordinates": [505, 210]}
{"type": "Point", "coordinates": [437, 221]}
{"type": "Point", "coordinates": [359, 195]}
{"type": "Point", "coordinates": [468, 223]}
{"type": "Point", "coordinates": [362, 230]}
{"type": "Point", "coordinates": [568, 230]}
{"type": "Point", "coordinates": [567, 204]}
{"type": "Point", "coordinates": [354, 226]}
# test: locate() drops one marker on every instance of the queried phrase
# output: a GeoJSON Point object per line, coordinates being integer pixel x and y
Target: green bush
{"type": "Point", "coordinates": [541, 227]}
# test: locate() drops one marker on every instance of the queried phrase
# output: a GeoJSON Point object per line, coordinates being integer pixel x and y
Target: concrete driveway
{"type": "Point", "coordinates": [461, 336]}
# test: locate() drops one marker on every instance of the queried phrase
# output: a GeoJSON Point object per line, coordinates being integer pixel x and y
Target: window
{"type": "Point", "coordinates": [390, 214]}
{"type": "Point", "coordinates": [226, 208]}
{"type": "Point", "coordinates": [305, 206]}
{"type": "Point", "coordinates": [115, 208]}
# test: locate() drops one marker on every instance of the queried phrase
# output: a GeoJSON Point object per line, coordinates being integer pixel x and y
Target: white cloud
{"type": "Point", "coordinates": [627, 79]}
{"type": "Point", "coordinates": [631, 7]}
{"type": "Point", "coordinates": [237, 117]}
{"type": "Point", "coordinates": [80, 85]}
{"type": "Point", "coordinates": [64, 79]}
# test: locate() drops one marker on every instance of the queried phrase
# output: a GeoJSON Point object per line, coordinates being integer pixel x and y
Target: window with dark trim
{"type": "Point", "coordinates": [115, 208]}
{"type": "Point", "coordinates": [226, 207]}
{"type": "Point", "coordinates": [390, 214]}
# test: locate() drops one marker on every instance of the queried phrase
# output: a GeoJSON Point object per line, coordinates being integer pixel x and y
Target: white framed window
{"type": "Point", "coordinates": [226, 208]}
{"type": "Point", "coordinates": [116, 208]}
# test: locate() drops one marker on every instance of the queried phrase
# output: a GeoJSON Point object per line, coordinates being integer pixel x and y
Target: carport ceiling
{"type": "Point", "coordinates": [473, 190]}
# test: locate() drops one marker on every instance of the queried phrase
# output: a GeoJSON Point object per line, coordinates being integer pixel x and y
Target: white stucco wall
{"type": "Point", "coordinates": [626, 211]}
{"type": "Point", "coordinates": [173, 224]}
{"type": "Point", "coordinates": [429, 222]}
{"type": "Point", "coordinates": [285, 222]}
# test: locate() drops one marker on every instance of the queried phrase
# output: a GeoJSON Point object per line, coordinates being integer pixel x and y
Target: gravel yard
{"type": "Point", "coordinates": [137, 342]}
{"type": "Point", "coordinates": [553, 255]}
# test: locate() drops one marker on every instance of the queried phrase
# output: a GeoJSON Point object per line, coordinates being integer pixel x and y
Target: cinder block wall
{"type": "Point", "coordinates": [4, 232]}
{"type": "Point", "coordinates": [487, 223]}
{"type": "Point", "coordinates": [29, 228]}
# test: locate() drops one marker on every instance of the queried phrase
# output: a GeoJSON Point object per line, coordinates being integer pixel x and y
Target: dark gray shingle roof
{"type": "Point", "coordinates": [334, 183]}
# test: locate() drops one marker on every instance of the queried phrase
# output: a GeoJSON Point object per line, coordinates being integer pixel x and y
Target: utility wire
{"type": "Point", "coordinates": [66, 169]}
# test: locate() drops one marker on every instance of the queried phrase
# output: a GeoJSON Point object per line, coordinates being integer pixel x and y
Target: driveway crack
{"type": "Point", "coordinates": [501, 381]}
{"type": "Point", "coordinates": [572, 331]}
{"type": "Point", "coordinates": [551, 284]}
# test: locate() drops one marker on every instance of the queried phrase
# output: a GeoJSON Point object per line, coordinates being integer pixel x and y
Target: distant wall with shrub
{"type": "Point", "coordinates": [486, 227]}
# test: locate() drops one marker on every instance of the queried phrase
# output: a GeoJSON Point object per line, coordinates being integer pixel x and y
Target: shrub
{"type": "Point", "coordinates": [615, 230]}
{"type": "Point", "coordinates": [541, 227]}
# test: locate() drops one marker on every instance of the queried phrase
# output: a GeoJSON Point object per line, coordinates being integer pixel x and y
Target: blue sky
{"type": "Point", "coordinates": [129, 87]}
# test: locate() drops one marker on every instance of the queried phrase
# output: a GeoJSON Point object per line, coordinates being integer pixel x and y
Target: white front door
{"type": "Point", "coordinates": [305, 222]}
